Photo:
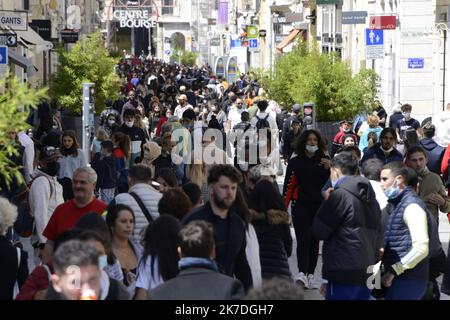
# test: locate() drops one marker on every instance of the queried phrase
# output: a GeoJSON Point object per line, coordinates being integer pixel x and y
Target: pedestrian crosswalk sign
{"type": "Point", "coordinates": [3, 55]}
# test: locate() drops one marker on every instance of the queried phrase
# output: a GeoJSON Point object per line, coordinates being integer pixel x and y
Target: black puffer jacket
{"type": "Point", "coordinates": [275, 242]}
{"type": "Point", "coordinates": [349, 222]}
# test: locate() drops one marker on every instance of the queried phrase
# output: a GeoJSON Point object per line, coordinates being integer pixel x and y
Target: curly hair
{"type": "Point", "coordinates": [8, 215]}
{"type": "Point", "coordinates": [300, 147]}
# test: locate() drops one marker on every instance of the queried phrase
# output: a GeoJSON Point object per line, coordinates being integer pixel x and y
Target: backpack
{"type": "Point", "coordinates": [262, 123]}
{"type": "Point", "coordinates": [25, 221]}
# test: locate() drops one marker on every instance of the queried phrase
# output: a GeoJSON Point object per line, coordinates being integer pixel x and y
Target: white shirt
{"type": "Point", "coordinates": [270, 119]}
{"type": "Point", "coordinates": [28, 157]}
{"type": "Point", "coordinates": [379, 194]}
{"type": "Point", "coordinates": [234, 116]}
{"type": "Point", "coordinates": [179, 110]}
{"type": "Point", "coordinates": [145, 279]}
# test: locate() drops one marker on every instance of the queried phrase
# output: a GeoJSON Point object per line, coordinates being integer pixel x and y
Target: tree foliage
{"type": "Point", "coordinates": [187, 58]}
{"type": "Point", "coordinates": [88, 61]}
{"type": "Point", "coordinates": [16, 100]}
{"type": "Point", "coordinates": [304, 74]}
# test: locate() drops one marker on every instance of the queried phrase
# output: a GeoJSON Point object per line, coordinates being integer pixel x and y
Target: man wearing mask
{"type": "Point", "coordinates": [406, 240]}
{"type": "Point", "coordinates": [384, 150]}
{"type": "Point", "coordinates": [136, 135]}
{"type": "Point", "coordinates": [406, 123]}
{"type": "Point", "coordinates": [345, 128]}
{"type": "Point", "coordinates": [45, 193]}
{"type": "Point", "coordinates": [234, 113]}
{"type": "Point", "coordinates": [182, 106]}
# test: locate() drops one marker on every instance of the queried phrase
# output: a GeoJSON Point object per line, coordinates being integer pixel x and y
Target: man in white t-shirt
{"type": "Point", "coordinates": [182, 106]}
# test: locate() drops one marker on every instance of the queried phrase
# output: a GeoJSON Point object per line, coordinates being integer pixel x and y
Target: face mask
{"type": "Point", "coordinates": [346, 130]}
{"type": "Point", "coordinates": [52, 168]}
{"type": "Point", "coordinates": [388, 150]}
{"type": "Point", "coordinates": [393, 191]}
{"type": "Point", "coordinates": [111, 122]}
{"type": "Point", "coordinates": [407, 115]}
{"type": "Point", "coordinates": [129, 124]}
{"type": "Point", "coordinates": [312, 149]}
{"type": "Point", "coordinates": [243, 166]}
{"type": "Point", "coordinates": [213, 109]}
{"type": "Point", "coordinates": [55, 127]}
{"type": "Point", "coordinates": [102, 262]}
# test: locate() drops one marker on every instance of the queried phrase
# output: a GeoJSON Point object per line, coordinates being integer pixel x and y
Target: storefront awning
{"type": "Point", "coordinates": [288, 39]}
{"type": "Point", "coordinates": [31, 37]}
{"type": "Point", "coordinates": [22, 62]}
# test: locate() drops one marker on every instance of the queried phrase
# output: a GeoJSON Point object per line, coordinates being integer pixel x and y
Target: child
{"type": "Point", "coordinates": [105, 166]}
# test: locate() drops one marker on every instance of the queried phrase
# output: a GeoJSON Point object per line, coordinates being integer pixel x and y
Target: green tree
{"type": "Point", "coordinates": [16, 100]}
{"type": "Point", "coordinates": [186, 58]}
{"type": "Point", "coordinates": [304, 74]}
{"type": "Point", "coordinates": [88, 61]}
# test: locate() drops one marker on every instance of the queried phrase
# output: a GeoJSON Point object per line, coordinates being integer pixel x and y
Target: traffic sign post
{"type": "Point", "coordinates": [3, 60]}
{"type": "Point", "coordinates": [374, 44]}
{"type": "Point", "coordinates": [416, 63]}
{"type": "Point", "coordinates": [9, 40]}
{"type": "Point", "coordinates": [253, 45]}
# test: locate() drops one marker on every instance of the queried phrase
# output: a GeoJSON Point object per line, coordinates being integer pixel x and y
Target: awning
{"type": "Point", "coordinates": [22, 62]}
{"type": "Point", "coordinates": [288, 39]}
{"type": "Point", "coordinates": [31, 37]}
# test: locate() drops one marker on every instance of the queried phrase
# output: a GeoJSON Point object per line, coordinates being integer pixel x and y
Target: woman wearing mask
{"type": "Point", "coordinates": [154, 117]}
{"type": "Point", "coordinates": [72, 158]}
{"type": "Point", "coordinates": [111, 124]}
{"type": "Point", "coordinates": [373, 122]}
{"type": "Point", "coordinates": [120, 220]}
{"type": "Point", "coordinates": [306, 174]}
{"type": "Point", "coordinates": [159, 262]}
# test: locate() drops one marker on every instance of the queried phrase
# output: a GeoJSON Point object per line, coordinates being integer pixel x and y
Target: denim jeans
{"type": "Point", "coordinates": [406, 290]}
{"type": "Point", "coordinates": [347, 292]}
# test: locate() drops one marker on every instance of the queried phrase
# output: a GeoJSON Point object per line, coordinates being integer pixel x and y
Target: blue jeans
{"type": "Point", "coordinates": [347, 292]}
{"type": "Point", "coordinates": [406, 290]}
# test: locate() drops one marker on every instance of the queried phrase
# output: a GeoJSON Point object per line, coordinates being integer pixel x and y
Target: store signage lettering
{"type": "Point", "coordinates": [134, 18]}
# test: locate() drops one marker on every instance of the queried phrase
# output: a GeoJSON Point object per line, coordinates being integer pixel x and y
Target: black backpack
{"type": "Point", "coordinates": [262, 123]}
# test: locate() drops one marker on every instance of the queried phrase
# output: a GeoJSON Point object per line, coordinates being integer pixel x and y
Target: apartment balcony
{"type": "Point", "coordinates": [173, 11]}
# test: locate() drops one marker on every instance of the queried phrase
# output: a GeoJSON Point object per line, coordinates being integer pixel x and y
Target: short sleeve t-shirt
{"type": "Point", "coordinates": [403, 125]}
{"type": "Point", "coordinates": [67, 215]}
{"type": "Point", "coordinates": [145, 279]}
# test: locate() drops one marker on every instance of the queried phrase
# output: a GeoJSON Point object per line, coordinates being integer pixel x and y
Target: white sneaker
{"type": "Point", "coordinates": [311, 283]}
{"type": "Point", "coordinates": [302, 279]}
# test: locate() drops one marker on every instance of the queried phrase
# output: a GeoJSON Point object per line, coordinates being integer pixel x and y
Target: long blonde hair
{"type": "Point", "coordinates": [196, 172]}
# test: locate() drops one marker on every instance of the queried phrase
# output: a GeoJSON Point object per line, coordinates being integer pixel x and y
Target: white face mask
{"type": "Point", "coordinates": [312, 149]}
{"type": "Point", "coordinates": [243, 166]}
{"type": "Point", "coordinates": [388, 150]}
{"type": "Point", "coordinates": [407, 115]}
{"type": "Point", "coordinates": [111, 122]}
{"type": "Point", "coordinates": [213, 109]}
{"type": "Point", "coordinates": [129, 124]}
{"type": "Point", "coordinates": [102, 262]}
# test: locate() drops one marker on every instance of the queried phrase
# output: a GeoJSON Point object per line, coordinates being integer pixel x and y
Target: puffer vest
{"type": "Point", "coordinates": [397, 237]}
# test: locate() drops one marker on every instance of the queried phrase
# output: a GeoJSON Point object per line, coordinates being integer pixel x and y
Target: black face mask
{"type": "Point", "coordinates": [52, 168]}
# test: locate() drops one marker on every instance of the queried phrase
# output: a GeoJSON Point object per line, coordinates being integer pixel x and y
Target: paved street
{"type": "Point", "coordinates": [444, 234]}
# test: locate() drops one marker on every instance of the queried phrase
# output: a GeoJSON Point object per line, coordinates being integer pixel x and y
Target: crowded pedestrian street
{"type": "Point", "coordinates": [145, 158]}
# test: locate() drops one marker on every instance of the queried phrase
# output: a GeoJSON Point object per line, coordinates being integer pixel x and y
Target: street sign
{"type": "Point", "coordinates": [68, 36]}
{"type": "Point", "coordinates": [3, 55]}
{"type": "Point", "coordinates": [252, 32]}
{"type": "Point", "coordinates": [374, 44]}
{"type": "Point", "coordinates": [374, 37]}
{"type": "Point", "coordinates": [212, 21]}
{"type": "Point", "coordinates": [383, 22]}
{"type": "Point", "coordinates": [253, 45]}
{"type": "Point", "coordinates": [416, 63]}
{"type": "Point", "coordinates": [262, 33]}
{"type": "Point", "coordinates": [354, 17]}
{"type": "Point", "coordinates": [16, 20]}
{"type": "Point", "coordinates": [43, 28]}
{"type": "Point", "coordinates": [210, 35]}
{"type": "Point", "coordinates": [9, 40]}
{"type": "Point", "coordinates": [215, 42]}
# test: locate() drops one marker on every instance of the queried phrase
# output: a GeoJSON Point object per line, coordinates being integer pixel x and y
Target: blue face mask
{"type": "Point", "coordinates": [393, 191]}
{"type": "Point", "coordinates": [102, 262]}
{"type": "Point", "coordinates": [334, 182]}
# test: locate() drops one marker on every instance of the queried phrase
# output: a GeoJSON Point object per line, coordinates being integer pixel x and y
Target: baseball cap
{"type": "Point", "coordinates": [296, 108]}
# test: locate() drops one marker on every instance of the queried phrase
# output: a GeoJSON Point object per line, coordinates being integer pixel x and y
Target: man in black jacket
{"type": "Point", "coordinates": [229, 229]}
{"type": "Point", "coordinates": [199, 278]}
{"type": "Point", "coordinates": [349, 222]}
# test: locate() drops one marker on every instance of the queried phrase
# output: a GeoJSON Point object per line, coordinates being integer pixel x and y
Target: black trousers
{"type": "Point", "coordinates": [66, 183]}
{"type": "Point", "coordinates": [307, 246]}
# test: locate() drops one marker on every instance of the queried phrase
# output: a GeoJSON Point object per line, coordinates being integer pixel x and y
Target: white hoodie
{"type": "Point", "coordinates": [43, 201]}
